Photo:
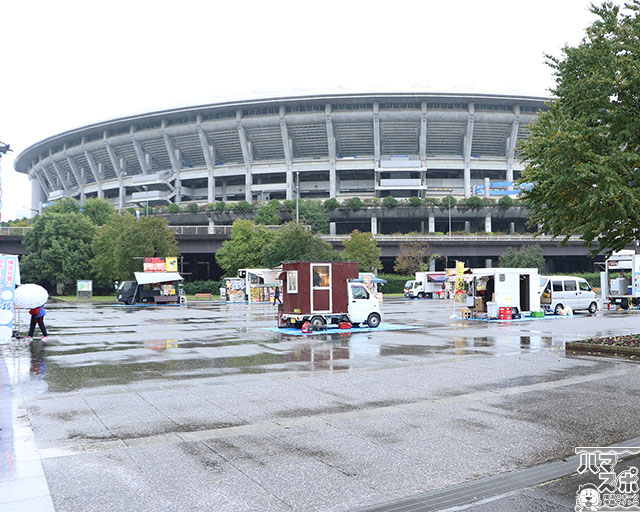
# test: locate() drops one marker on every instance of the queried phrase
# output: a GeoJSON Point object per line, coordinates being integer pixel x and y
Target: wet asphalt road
{"type": "Point", "coordinates": [152, 408]}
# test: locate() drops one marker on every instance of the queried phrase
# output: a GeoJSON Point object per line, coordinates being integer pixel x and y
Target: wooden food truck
{"type": "Point", "coordinates": [493, 289]}
{"type": "Point", "coordinates": [325, 292]}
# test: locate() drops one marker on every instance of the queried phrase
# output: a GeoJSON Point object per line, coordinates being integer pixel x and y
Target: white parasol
{"type": "Point", "coordinates": [30, 296]}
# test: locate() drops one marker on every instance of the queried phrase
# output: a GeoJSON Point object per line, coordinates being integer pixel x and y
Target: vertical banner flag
{"type": "Point", "coordinates": [459, 275]}
{"type": "Point", "coordinates": [9, 276]}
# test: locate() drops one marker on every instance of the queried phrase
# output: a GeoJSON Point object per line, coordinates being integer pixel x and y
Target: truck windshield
{"type": "Point", "coordinates": [126, 286]}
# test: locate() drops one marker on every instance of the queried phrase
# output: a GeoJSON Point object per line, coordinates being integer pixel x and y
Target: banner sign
{"type": "Point", "coordinates": [9, 276]}
{"type": "Point", "coordinates": [172, 264]}
{"type": "Point", "coordinates": [161, 264]}
{"type": "Point", "coordinates": [154, 265]}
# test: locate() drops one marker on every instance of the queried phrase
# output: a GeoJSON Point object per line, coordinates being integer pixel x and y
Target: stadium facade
{"type": "Point", "coordinates": [365, 145]}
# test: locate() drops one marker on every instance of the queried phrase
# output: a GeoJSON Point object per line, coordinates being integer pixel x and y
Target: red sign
{"type": "Point", "coordinates": [154, 265]}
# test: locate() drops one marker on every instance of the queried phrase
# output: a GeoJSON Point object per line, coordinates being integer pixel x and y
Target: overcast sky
{"type": "Point", "coordinates": [70, 63]}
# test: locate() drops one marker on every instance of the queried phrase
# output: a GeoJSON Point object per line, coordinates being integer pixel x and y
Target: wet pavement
{"type": "Point", "coordinates": [202, 408]}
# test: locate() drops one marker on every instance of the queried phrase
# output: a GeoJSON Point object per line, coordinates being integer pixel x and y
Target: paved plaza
{"type": "Point", "coordinates": [200, 408]}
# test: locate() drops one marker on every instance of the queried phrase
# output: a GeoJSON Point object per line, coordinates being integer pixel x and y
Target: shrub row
{"type": "Point", "coordinates": [355, 203]}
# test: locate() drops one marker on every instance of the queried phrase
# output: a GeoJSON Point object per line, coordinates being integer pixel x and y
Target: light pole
{"type": "Point", "coordinates": [297, 197]}
{"type": "Point", "coordinates": [146, 197]}
{"type": "Point", "coordinates": [449, 201]}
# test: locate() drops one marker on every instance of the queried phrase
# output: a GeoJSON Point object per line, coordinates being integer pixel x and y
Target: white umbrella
{"type": "Point", "coordinates": [30, 296]}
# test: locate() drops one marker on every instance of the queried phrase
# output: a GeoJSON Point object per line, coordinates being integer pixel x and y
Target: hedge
{"type": "Point", "coordinates": [395, 282]}
{"type": "Point", "coordinates": [193, 287]}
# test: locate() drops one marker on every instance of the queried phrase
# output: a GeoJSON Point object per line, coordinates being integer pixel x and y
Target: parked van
{"type": "Point", "coordinates": [558, 292]}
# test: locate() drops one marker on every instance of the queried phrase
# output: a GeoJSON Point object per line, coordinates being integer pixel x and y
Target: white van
{"type": "Point", "coordinates": [558, 292]}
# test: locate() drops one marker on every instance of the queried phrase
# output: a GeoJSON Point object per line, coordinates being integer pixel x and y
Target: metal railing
{"type": "Point", "coordinates": [14, 231]}
{"type": "Point", "coordinates": [214, 230]}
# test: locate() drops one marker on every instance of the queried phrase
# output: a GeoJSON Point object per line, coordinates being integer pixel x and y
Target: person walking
{"type": "Point", "coordinates": [37, 317]}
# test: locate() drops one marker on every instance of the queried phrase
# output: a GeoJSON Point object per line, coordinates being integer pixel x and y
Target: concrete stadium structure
{"type": "Point", "coordinates": [365, 145]}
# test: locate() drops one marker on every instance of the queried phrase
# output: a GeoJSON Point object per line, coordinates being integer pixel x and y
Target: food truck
{"type": "Point", "coordinates": [325, 292]}
{"type": "Point", "coordinates": [426, 284]}
{"type": "Point", "coordinates": [493, 290]}
{"type": "Point", "coordinates": [252, 285]}
{"type": "Point", "coordinates": [155, 287]}
{"type": "Point", "coordinates": [620, 279]}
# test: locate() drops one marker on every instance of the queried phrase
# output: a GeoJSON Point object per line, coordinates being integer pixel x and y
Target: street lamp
{"type": "Point", "coordinates": [449, 201]}
{"type": "Point", "coordinates": [297, 197]}
{"type": "Point", "coordinates": [146, 196]}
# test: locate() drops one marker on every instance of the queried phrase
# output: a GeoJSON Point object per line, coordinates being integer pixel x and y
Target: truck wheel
{"type": "Point", "coordinates": [374, 320]}
{"type": "Point", "coordinates": [558, 308]}
{"type": "Point", "coordinates": [317, 322]}
{"type": "Point", "coordinates": [593, 307]}
{"type": "Point", "coordinates": [131, 301]}
{"type": "Point", "coordinates": [421, 295]}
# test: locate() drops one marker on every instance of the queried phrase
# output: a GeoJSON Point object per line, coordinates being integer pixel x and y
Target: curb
{"type": "Point", "coordinates": [593, 347]}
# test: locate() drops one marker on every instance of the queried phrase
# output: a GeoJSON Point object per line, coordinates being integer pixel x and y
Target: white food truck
{"type": "Point", "coordinates": [493, 288]}
{"type": "Point", "coordinates": [620, 279]}
{"type": "Point", "coordinates": [426, 284]}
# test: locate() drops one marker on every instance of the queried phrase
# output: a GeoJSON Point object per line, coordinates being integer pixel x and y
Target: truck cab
{"type": "Point", "coordinates": [363, 306]}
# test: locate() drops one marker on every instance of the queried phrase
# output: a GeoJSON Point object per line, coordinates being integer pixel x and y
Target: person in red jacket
{"type": "Point", "coordinates": [37, 317]}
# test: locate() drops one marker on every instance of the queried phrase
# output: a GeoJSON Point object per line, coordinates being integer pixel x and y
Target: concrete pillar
{"type": "Point", "coordinates": [38, 196]}
{"type": "Point", "coordinates": [487, 187]}
{"type": "Point", "coordinates": [487, 224]}
{"type": "Point", "coordinates": [467, 225]}
{"type": "Point", "coordinates": [512, 227]}
{"type": "Point", "coordinates": [422, 226]}
{"type": "Point", "coordinates": [224, 189]}
{"type": "Point", "coordinates": [432, 265]}
{"type": "Point", "coordinates": [211, 229]}
{"type": "Point", "coordinates": [332, 228]}
{"type": "Point", "coordinates": [487, 263]}
{"type": "Point", "coordinates": [432, 224]}
{"type": "Point", "coordinates": [374, 225]}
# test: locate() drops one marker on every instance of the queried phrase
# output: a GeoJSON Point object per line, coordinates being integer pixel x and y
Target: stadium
{"type": "Point", "coordinates": [365, 145]}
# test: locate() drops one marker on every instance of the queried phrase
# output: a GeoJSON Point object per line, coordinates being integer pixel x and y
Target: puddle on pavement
{"type": "Point", "coordinates": [222, 340]}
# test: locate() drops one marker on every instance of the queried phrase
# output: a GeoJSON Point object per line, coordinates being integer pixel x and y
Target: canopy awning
{"type": "Point", "coordinates": [439, 277]}
{"type": "Point", "coordinates": [157, 277]}
{"type": "Point", "coordinates": [376, 280]}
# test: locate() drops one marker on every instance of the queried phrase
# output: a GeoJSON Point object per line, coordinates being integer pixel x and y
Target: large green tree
{"type": "Point", "coordinates": [244, 249]}
{"type": "Point", "coordinates": [584, 152]}
{"type": "Point", "coordinates": [293, 242]}
{"type": "Point", "coordinates": [123, 242]}
{"type": "Point", "coordinates": [98, 210]}
{"type": "Point", "coordinates": [58, 248]}
{"type": "Point", "coordinates": [528, 256]}
{"type": "Point", "coordinates": [412, 257]}
{"type": "Point", "coordinates": [363, 248]}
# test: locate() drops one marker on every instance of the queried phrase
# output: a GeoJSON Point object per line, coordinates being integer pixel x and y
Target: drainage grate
{"type": "Point", "coordinates": [477, 490]}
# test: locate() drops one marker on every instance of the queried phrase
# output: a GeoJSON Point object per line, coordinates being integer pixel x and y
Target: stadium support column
{"type": "Point", "coordinates": [376, 147]}
{"type": "Point", "coordinates": [331, 142]}
{"type": "Point", "coordinates": [209, 152]}
{"type": "Point", "coordinates": [174, 158]}
{"type": "Point", "coordinates": [247, 156]}
{"type": "Point", "coordinates": [53, 183]}
{"type": "Point", "coordinates": [76, 173]}
{"type": "Point", "coordinates": [423, 148]}
{"type": "Point", "coordinates": [511, 143]}
{"type": "Point", "coordinates": [374, 225]}
{"type": "Point", "coordinates": [288, 154]}
{"type": "Point", "coordinates": [468, 141]}
{"type": "Point", "coordinates": [432, 224]}
{"type": "Point", "coordinates": [60, 173]}
{"type": "Point", "coordinates": [487, 224]}
{"type": "Point", "coordinates": [145, 166]}
{"type": "Point", "coordinates": [39, 190]}
{"type": "Point", "coordinates": [95, 170]}
{"type": "Point", "coordinates": [118, 167]}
